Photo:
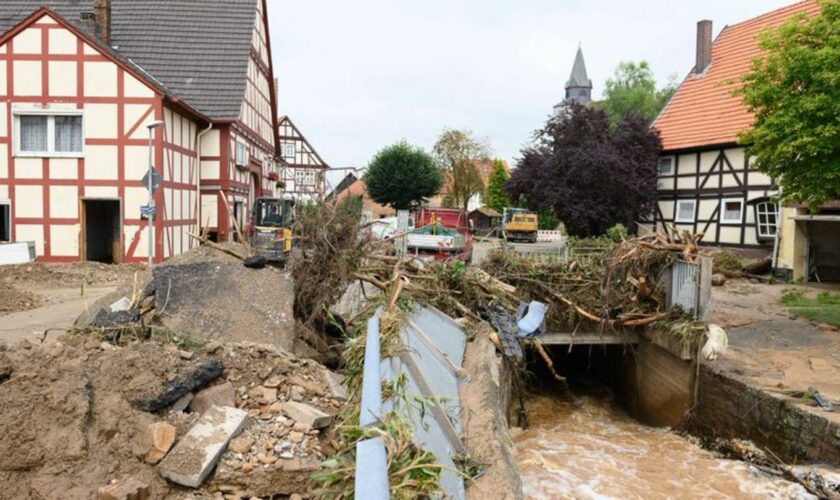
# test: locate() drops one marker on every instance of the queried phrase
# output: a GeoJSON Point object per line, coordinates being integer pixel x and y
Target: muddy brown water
{"type": "Point", "coordinates": [586, 447]}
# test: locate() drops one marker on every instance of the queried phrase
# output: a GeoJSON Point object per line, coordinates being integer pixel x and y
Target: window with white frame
{"type": "Point", "coordinates": [289, 150]}
{"type": "Point", "coordinates": [241, 154]}
{"type": "Point", "coordinates": [732, 211]}
{"type": "Point", "coordinates": [49, 133]}
{"type": "Point", "coordinates": [666, 165]}
{"type": "Point", "coordinates": [305, 177]}
{"type": "Point", "coordinates": [766, 215]}
{"type": "Point", "coordinates": [686, 210]}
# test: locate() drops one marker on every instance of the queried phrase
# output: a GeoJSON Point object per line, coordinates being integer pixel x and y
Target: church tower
{"type": "Point", "coordinates": [579, 86]}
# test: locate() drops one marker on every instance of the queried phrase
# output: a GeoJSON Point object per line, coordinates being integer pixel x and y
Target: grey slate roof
{"type": "Point", "coordinates": [579, 77]}
{"type": "Point", "coordinates": [198, 49]}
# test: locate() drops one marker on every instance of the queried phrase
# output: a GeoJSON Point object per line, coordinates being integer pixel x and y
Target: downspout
{"type": "Point", "coordinates": [779, 223]}
{"type": "Point", "coordinates": [198, 137]}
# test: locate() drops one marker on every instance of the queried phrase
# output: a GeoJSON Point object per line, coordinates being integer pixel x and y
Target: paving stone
{"type": "Point", "coordinates": [196, 454]}
{"type": "Point", "coordinates": [305, 414]}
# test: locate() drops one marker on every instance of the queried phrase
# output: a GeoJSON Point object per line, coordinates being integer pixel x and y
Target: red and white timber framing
{"type": "Point", "coordinates": [255, 129]}
{"type": "Point", "coordinates": [47, 64]}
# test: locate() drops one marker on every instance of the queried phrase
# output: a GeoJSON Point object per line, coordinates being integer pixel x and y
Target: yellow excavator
{"type": "Point", "coordinates": [519, 224]}
{"type": "Point", "coordinates": [270, 232]}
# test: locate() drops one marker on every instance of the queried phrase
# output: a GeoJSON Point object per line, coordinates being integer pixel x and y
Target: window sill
{"type": "Point", "coordinates": [48, 155]}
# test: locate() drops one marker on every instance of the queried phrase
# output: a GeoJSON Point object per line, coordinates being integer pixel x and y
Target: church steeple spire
{"type": "Point", "coordinates": [579, 86]}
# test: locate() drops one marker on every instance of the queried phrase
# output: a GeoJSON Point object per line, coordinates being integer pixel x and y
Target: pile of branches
{"type": "Point", "coordinates": [621, 288]}
{"type": "Point", "coordinates": [328, 253]}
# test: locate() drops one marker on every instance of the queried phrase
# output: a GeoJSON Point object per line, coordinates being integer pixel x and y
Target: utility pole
{"type": "Point", "coordinates": [150, 186]}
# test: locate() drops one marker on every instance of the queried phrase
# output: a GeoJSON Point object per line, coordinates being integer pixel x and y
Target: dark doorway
{"type": "Point", "coordinates": [5, 222]}
{"type": "Point", "coordinates": [102, 231]}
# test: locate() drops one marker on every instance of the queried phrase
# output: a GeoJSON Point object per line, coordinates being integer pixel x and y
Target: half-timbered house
{"type": "Point", "coordinates": [82, 81]}
{"type": "Point", "coordinates": [706, 181]}
{"type": "Point", "coordinates": [303, 171]}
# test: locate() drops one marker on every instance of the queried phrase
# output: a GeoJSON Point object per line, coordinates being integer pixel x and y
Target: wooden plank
{"type": "Point", "coordinates": [589, 338]}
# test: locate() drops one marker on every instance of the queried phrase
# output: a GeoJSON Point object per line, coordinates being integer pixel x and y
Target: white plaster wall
{"type": "Point", "coordinates": [28, 41]}
{"type": "Point", "coordinates": [730, 234]}
{"type": "Point", "coordinates": [62, 78]}
{"type": "Point", "coordinates": [102, 192]}
{"type": "Point", "coordinates": [64, 168]}
{"type": "Point", "coordinates": [132, 87]}
{"type": "Point", "coordinates": [4, 163]}
{"type": "Point", "coordinates": [29, 201]}
{"type": "Point", "coordinates": [27, 78]}
{"type": "Point", "coordinates": [101, 162]}
{"type": "Point", "coordinates": [27, 232]}
{"type": "Point", "coordinates": [100, 79]}
{"type": "Point", "coordinates": [65, 240]}
{"type": "Point", "coordinates": [3, 77]}
{"type": "Point", "coordinates": [61, 41]}
{"type": "Point", "coordinates": [100, 121]}
{"type": "Point", "coordinates": [136, 162]}
{"type": "Point", "coordinates": [29, 168]}
{"type": "Point", "coordinates": [64, 202]}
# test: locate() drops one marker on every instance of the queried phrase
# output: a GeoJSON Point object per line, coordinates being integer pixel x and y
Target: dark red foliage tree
{"type": "Point", "coordinates": [590, 175]}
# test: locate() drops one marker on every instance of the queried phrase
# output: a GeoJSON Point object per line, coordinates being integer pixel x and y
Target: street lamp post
{"type": "Point", "coordinates": [150, 187]}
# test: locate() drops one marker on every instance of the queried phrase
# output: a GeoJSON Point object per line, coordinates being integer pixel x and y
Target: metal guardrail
{"type": "Point", "coordinates": [430, 361]}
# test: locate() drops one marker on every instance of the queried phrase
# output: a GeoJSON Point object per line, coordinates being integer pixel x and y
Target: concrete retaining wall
{"type": "Point", "coordinates": [730, 408]}
{"type": "Point", "coordinates": [656, 385]}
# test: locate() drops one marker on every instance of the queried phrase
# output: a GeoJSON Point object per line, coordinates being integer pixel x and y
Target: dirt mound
{"type": "Point", "coordinates": [14, 300]}
{"type": "Point", "coordinates": [68, 425]}
{"type": "Point", "coordinates": [67, 275]}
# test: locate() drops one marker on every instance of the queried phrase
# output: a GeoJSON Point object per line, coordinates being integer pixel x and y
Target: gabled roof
{"type": "Point", "coordinates": [703, 111]}
{"type": "Point", "coordinates": [579, 77]}
{"type": "Point", "coordinates": [345, 183]}
{"type": "Point", "coordinates": [316, 160]}
{"type": "Point", "coordinates": [198, 49]}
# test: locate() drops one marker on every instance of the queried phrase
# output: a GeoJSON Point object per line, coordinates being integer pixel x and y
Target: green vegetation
{"type": "Point", "coordinates": [458, 153]}
{"type": "Point", "coordinates": [495, 196]}
{"type": "Point", "coordinates": [632, 90]}
{"type": "Point", "coordinates": [825, 308]}
{"type": "Point", "coordinates": [401, 176]}
{"type": "Point", "coordinates": [795, 96]}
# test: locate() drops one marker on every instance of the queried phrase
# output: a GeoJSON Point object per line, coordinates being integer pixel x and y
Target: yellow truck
{"type": "Point", "coordinates": [519, 224]}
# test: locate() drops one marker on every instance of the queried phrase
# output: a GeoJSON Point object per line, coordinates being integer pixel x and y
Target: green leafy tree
{"type": "Point", "coordinates": [794, 93]}
{"type": "Point", "coordinates": [495, 197]}
{"type": "Point", "coordinates": [632, 89]}
{"type": "Point", "coordinates": [402, 176]}
{"type": "Point", "coordinates": [458, 153]}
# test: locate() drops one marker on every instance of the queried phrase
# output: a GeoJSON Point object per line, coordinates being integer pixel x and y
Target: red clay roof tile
{"type": "Point", "coordinates": [703, 111]}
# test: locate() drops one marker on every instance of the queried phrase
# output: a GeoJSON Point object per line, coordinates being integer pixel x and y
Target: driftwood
{"type": "Point", "coordinates": [216, 246]}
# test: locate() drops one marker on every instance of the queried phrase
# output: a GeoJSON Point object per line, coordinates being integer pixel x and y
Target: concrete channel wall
{"type": "Point", "coordinates": [658, 388]}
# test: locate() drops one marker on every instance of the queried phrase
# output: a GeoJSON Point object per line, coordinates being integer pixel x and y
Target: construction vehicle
{"type": "Point", "coordinates": [519, 224]}
{"type": "Point", "coordinates": [441, 234]}
{"type": "Point", "coordinates": [270, 231]}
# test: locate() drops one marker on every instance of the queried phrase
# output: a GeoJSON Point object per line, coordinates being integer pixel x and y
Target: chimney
{"type": "Point", "coordinates": [704, 46]}
{"type": "Point", "coordinates": [102, 12]}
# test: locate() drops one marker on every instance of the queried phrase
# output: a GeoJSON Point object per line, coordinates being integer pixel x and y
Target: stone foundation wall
{"type": "Point", "coordinates": [730, 408]}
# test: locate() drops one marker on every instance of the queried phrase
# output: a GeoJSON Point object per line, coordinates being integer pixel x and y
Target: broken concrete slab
{"type": "Point", "coordinates": [124, 304]}
{"type": "Point", "coordinates": [124, 489]}
{"type": "Point", "coordinates": [305, 414]}
{"type": "Point", "coordinates": [217, 395]}
{"type": "Point", "coordinates": [183, 384]}
{"type": "Point", "coordinates": [335, 384]}
{"type": "Point", "coordinates": [192, 459]}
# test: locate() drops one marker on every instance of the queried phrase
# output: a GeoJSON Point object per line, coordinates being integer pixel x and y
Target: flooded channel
{"type": "Point", "coordinates": [586, 446]}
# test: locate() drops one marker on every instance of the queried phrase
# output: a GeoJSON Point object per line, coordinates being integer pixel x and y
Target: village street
{"type": "Point", "coordinates": [245, 251]}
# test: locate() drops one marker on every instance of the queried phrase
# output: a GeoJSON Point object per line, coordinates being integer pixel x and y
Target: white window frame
{"type": "Point", "coordinates": [759, 224]}
{"type": "Point", "coordinates": [673, 162]}
{"type": "Point", "coordinates": [240, 154]}
{"type": "Point", "coordinates": [50, 114]}
{"type": "Point", "coordinates": [723, 219]}
{"type": "Point", "coordinates": [693, 211]}
{"type": "Point", "coordinates": [306, 178]}
{"type": "Point", "coordinates": [286, 147]}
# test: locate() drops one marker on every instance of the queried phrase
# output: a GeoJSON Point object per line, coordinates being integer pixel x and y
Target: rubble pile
{"type": "Point", "coordinates": [76, 422]}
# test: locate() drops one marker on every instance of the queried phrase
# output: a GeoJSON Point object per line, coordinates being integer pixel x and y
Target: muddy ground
{"type": "Point", "coordinates": [70, 421]}
{"type": "Point", "coordinates": [771, 348]}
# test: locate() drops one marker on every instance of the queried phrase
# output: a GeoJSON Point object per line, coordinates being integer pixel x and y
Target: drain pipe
{"type": "Point", "coordinates": [198, 177]}
{"type": "Point", "coordinates": [779, 222]}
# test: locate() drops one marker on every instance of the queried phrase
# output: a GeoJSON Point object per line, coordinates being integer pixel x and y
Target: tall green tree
{"type": "Point", "coordinates": [402, 176]}
{"type": "Point", "coordinates": [495, 196]}
{"type": "Point", "coordinates": [458, 152]}
{"type": "Point", "coordinates": [632, 90]}
{"type": "Point", "coordinates": [794, 93]}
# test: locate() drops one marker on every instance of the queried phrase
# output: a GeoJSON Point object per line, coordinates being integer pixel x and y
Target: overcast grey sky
{"type": "Point", "coordinates": [358, 75]}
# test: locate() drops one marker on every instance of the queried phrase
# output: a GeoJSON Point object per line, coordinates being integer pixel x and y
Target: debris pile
{"type": "Point", "coordinates": [82, 415]}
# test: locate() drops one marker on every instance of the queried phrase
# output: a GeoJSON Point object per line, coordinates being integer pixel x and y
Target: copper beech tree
{"type": "Point", "coordinates": [590, 175]}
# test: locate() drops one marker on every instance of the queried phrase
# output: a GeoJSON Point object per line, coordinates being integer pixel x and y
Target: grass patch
{"type": "Point", "coordinates": [824, 308]}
